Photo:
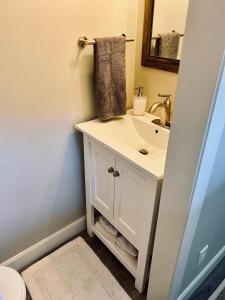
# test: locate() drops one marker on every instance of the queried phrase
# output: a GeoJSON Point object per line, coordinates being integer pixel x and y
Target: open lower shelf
{"type": "Point", "coordinates": [129, 264]}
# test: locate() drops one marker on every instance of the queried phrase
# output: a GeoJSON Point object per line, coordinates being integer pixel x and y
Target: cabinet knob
{"type": "Point", "coordinates": [110, 170]}
{"type": "Point", "coordinates": [116, 174]}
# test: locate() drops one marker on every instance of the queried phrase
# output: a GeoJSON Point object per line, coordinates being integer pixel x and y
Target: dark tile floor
{"type": "Point", "coordinates": [125, 279]}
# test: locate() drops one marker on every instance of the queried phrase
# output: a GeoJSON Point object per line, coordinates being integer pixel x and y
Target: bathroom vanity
{"type": "Point", "coordinates": [124, 184]}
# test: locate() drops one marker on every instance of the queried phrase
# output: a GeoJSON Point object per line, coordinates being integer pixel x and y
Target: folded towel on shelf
{"type": "Point", "coordinates": [127, 256]}
{"type": "Point", "coordinates": [108, 226]}
{"type": "Point", "coordinates": [169, 44]}
{"type": "Point", "coordinates": [110, 76]}
{"type": "Point", "coordinates": [106, 234]}
{"type": "Point", "coordinates": [126, 246]}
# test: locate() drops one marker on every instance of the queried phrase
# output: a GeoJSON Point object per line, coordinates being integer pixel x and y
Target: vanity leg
{"type": "Point", "coordinates": [90, 219]}
{"type": "Point", "coordinates": [89, 207]}
{"type": "Point", "coordinates": [142, 270]}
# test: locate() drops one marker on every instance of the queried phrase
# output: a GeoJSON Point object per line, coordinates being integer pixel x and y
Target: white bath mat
{"type": "Point", "coordinates": [72, 272]}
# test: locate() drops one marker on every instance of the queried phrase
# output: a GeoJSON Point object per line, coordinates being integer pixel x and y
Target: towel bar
{"type": "Point", "coordinates": [158, 37]}
{"type": "Point", "coordinates": [83, 41]}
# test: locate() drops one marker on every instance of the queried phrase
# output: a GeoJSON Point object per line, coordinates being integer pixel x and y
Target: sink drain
{"type": "Point", "coordinates": [143, 151]}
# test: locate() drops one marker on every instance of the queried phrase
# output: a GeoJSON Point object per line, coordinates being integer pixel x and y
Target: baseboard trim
{"type": "Point", "coordinates": [202, 275]}
{"type": "Point", "coordinates": [32, 253]}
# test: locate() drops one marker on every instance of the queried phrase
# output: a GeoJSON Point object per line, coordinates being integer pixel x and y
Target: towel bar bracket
{"type": "Point", "coordinates": [83, 42]}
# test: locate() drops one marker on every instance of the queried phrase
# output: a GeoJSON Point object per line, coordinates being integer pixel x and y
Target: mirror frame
{"type": "Point", "coordinates": [166, 64]}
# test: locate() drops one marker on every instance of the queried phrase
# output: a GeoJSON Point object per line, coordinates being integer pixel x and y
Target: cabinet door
{"type": "Point", "coordinates": [102, 179]}
{"type": "Point", "coordinates": [130, 201]}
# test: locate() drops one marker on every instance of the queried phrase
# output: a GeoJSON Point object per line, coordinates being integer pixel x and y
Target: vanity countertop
{"type": "Point", "coordinates": [127, 135]}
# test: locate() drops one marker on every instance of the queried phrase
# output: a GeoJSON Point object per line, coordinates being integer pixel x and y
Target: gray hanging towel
{"type": "Point", "coordinates": [110, 77]}
{"type": "Point", "coordinates": [169, 44]}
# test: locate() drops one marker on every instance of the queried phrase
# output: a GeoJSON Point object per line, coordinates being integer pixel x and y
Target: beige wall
{"type": "Point", "coordinates": [168, 16]}
{"type": "Point", "coordinates": [153, 80]}
{"type": "Point", "coordinates": [46, 87]}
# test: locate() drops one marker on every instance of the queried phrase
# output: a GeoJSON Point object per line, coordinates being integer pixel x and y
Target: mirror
{"type": "Point", "coordinates": [163, 35]}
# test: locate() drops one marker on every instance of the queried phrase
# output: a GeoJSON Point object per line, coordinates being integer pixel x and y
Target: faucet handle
{"type": "Point", "coordinates": [167, 101]}
{"type": "Point", "coordinates": [164, 95]}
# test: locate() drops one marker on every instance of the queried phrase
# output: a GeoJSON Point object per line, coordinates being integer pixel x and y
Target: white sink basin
{"type": "Point", "coordinates": [153, 134]}
{"type": "Point", "coordinates": [129, 134]}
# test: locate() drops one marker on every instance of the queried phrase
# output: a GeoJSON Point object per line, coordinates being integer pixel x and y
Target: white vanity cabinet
{"type": "Point", "coordinates": [131, 194]}
{"type": "Point", "coordinates": [126, 196]}
{"type": "Point", "coordinates": [102, 180]}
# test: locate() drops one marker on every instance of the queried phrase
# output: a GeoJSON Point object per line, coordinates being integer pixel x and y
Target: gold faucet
{"type": "Point", "coordinates": [166, 106]}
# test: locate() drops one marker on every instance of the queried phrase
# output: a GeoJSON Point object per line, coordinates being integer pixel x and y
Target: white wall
{"type": "Point", "coordinates": [46, 87]}
{"type": "Point", "coordinates": [195, 92]}
{"type": "Point", "coordinates": [155, 81]}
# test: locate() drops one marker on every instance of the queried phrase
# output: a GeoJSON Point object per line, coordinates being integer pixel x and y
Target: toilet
{"type": "Point", "coordinates": [12, 286]}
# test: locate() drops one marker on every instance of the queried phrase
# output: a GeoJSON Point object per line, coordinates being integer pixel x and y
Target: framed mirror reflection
{"type": "Point", "coordinates": [163, 33]}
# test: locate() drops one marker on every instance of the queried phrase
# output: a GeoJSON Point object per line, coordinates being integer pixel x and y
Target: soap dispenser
{"type": "Point", "coordinates": [140, 101]}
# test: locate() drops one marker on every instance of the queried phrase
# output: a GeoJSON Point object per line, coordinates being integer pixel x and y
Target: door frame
{"type": "Point", "coordinates": [197, 82]}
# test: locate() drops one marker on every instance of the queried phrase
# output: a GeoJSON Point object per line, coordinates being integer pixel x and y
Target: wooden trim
{"type": "Point", "coordinates": [192, 287]}
{"type": "Point", "coordinates": [42, 247]}
{"type": "Point", "coordinates": [166, 64]}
